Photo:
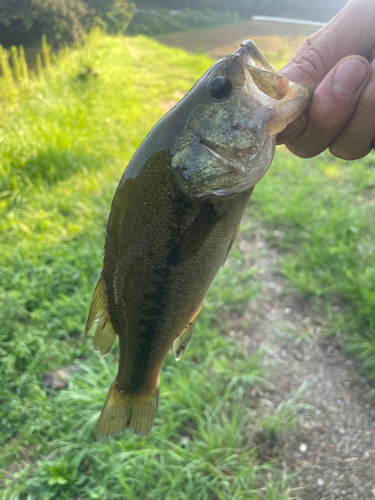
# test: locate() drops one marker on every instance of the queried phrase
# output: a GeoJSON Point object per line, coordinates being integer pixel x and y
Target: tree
{"type": "Point", "coordinates": [115, 14]}
{"type": "Point", "coordinates": [24, 21]}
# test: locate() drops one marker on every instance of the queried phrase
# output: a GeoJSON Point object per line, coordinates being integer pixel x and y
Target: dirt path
{"type": "Point", "coordinates": [334, 448]}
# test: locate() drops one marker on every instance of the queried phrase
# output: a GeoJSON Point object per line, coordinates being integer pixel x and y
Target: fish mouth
{"type": "Point", "coordinates": [284, 99]}
{"type": "Point", "coordinates": [266, 78]}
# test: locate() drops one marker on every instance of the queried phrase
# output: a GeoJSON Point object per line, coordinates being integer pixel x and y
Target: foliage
{"type": "Point", "coordinates": [15, 80]}
{"type": "Point", "coordinates": [114, 15]}
{"type": "Point", "coordinates": [162, 21]}
{"type": "Point", "coordinates": [24, 21]}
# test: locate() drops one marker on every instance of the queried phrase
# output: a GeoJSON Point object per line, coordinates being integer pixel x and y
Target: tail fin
{"type": "Point", "coordinates": [136, 411]}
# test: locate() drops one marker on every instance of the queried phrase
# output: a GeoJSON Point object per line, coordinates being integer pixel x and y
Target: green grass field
{"type": "Point", "coordinates": [65, 140]}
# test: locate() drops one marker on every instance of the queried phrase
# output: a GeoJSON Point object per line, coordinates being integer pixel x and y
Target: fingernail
{"type": "Point", "coordinates": [349, 77]}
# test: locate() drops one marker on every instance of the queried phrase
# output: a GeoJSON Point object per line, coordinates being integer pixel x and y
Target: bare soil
{"type": "Point", "coordinates": [333, 446]}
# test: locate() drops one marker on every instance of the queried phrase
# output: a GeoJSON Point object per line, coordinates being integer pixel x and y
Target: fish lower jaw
{"type": "Point", "coordinates": [238, 188]}
{"type": "Point", "coordinates": [247, 180]}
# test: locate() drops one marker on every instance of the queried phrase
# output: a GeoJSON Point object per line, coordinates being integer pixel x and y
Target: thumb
{"type": "Point", "coordinates": [351, 32]}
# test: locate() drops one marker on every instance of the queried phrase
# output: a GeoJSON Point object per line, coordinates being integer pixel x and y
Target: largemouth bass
{"type": "Point", "coordinates": [174, 217]}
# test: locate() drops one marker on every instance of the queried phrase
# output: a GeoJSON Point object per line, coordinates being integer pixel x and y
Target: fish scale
{"type": "Point", "coordinates": [173, 220]}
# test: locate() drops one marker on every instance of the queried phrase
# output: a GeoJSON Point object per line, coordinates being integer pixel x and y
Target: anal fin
{"type": "Point", "coordinates": [105, 335]}
{"type": "Point", "coordinates": [182, 342]}
{"type": "Point", "coordinates": [134, 411]}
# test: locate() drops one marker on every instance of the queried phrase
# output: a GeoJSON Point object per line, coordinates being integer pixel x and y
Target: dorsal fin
{"type": "Point", "coordinates": [105, 335]}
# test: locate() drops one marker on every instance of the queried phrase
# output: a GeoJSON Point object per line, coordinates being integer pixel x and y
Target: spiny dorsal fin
{"type": "Point", "coordinates": [121, 410]}
{"type": "Point", "coordinates": [105, 335]}
{"type": "Point", "coordinates": [182, 342]}
{"type": "Point", "coordinates": [98, 303]}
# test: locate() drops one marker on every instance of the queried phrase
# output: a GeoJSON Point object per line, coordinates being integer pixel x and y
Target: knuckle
{"type": "Point", "coordinates": [312, 63]}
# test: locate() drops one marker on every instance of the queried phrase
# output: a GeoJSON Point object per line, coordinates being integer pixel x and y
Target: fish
{"type": "Point", "coordinates": [174, 217]}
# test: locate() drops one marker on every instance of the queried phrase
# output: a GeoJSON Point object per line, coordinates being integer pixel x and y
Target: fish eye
{"type": "Point", "coordinates": [220, 88]}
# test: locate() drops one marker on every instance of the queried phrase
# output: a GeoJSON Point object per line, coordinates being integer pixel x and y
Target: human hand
{"type": "Point", "coordinates": [337, 62]}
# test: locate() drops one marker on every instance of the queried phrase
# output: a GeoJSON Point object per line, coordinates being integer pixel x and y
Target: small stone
{"type": "Point", "coordinates": [366, 454]}
{"type": "Point", "coordinates": [287, 310]}
{"type": "Point", "coordinates": [373, 492]}
{"type": "Point", "coordinates": [59, 379]}
{"type": "Point", "coordinates": [320, 482]}
{"type": "Point", "coordinates": [303, 447]}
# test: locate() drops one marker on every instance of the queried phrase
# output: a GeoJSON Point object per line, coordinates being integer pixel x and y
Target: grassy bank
{"type": "Point", "coordinates": [65, 141]}
{"type": "Point", "coordinates": [320, 212]}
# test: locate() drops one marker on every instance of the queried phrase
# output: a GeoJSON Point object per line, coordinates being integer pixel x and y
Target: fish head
{"type": "Point", "coordinates": [237, 108]}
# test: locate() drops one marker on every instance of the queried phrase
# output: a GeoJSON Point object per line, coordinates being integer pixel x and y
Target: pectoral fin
{"type": "Point", "coordinates": [232, 239]}
{"type": "Point", "coordinates": [182, 342]}
{"type": "Point", "coordinates": [105, 335]}
{"type": "Point", "coordinates": [198, 231]}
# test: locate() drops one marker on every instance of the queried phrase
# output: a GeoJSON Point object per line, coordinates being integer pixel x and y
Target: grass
{"type": "Point", "coordinates": [65, 140]}
{"type": "Point", "coordinates": [323, 211]}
